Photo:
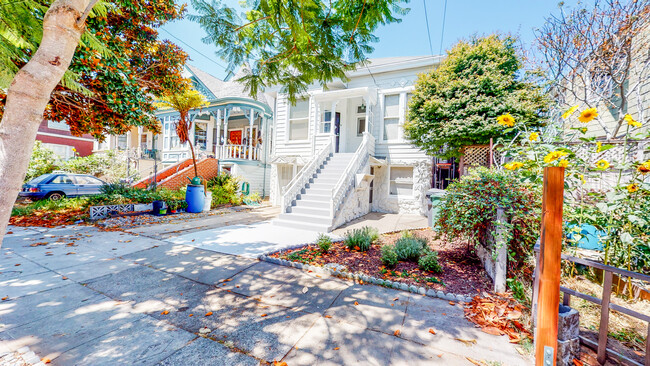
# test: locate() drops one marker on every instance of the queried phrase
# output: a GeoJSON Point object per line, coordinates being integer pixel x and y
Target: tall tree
{"type": "Point", "coordinates": [295, 42]}
{"type": "Point", "coordinates": [598, 56]}
{"type": "Point", "coordinates": [105, 86]}
{"type": "Point", "coordinates": [457, 104]}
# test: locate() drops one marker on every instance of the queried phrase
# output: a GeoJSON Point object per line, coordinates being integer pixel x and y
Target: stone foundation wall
{"type": "Point", "coordinates": [417, 204]}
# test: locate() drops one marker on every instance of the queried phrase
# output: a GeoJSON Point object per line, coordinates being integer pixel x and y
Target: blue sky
{"type": "Point", "coordinates": [408, 38]}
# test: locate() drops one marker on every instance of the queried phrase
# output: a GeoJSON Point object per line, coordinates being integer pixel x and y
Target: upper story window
{"type": "Point", "coordinates": [201, 135]}
{"type": "Point", "coordinates": [170, 138]}
{"type": "Point", "coordinates": [299, 120]}
{"type": "Point", "coordinates": [391, 117]}
{"type": "Point", "coordinates": [326, 122]}
{"type": "Point", "coordinates": [361, 119]}
{"type": "Point", "coordinates": [58, 125]}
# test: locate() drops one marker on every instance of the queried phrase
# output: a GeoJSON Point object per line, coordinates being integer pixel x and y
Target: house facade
{"type": "Point", "coordinates": [56, 136]}
{"type": "Point", "coordinates": [234, 128]}
{"type": "Point", "coordinates": [340, 151]}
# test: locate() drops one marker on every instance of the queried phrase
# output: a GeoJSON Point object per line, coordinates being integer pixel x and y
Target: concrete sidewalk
{"type": "Point", "coordinates": [80, 296]}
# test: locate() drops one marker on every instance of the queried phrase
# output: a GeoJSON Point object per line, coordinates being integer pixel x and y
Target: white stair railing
{"type": "Point", "coordinates": [347, 177]}
{"type": "Point", "coordinates": [295, 186]}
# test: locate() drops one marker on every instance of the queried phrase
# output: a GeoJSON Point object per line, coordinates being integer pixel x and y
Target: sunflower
{"type": "Point", "coordinates": [554, 155]}
{"type": "Point", "coordinates": [506, 120]}
{"type": "Point", "coordinates": [563, 163]}
{"type": "Point", "coordinates": [588, 115]}
{"type": "Point", "coordinates": [534, 136]}
{"type": "Point", "coordinates": [569, 112]}
{"type": "Point", "coordinates": [633, 188]}
{"type": "Point", "coordinates": [514, 165]}
{"type": "Point", "coordinates": [599, 146]}
{"type": "Point", "coordinates": [602, 164]}
{"type": "Point", "coordinates": [644, 168]}
{"type": "Point", "coordinates": [630, 121]}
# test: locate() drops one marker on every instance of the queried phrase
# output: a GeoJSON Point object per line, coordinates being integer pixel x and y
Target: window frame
{"type": "Point", "coordinates": [291, 121]}
{"type": "Point", "coordinates": [390, 182]}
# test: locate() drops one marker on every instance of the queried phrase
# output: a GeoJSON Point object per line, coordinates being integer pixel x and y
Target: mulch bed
{"type": "Point", "coordinates": [463, 273]}
{"type": "Point", "coordinates": [49, 219]}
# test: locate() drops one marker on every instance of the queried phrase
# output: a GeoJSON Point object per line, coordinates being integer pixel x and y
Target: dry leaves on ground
{"type": "Point", "coordinates": [498, 314]}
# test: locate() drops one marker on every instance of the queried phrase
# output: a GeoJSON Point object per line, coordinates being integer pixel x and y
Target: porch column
{"type": "Point", "coordinates": [367, 101]}
{"type": "Point", "coordinates": [333, 126]}
{"type": "Point", "coordinates": [251, 118]}
{"type": "Point", "coordinates": [217, 143]}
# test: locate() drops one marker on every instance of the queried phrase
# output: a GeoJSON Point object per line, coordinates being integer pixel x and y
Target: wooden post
{"type": "Point", "coordinates": [604, 317]}
{"type": "Point", "coordinates": [548, 300]}
{"type": "Point", "coordinates": [491, 152]}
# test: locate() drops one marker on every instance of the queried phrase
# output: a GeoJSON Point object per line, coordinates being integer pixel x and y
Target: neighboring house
{"type": "Point", "coordinates": [234, 128]}
{"type": "Point", "coordinates": [340, 151]}
{"type": "Point", "coordinates": [57, 137]}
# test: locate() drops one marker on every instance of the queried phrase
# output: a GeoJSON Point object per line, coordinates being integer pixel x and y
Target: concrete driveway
{"type": "Point", "coordinates": [80, 296]}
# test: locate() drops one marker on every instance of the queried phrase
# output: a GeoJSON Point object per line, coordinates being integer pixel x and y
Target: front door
{"type": "Point", "coordinates": [337, 130]}
{"type": "Point", "coordinates": [234, 137]}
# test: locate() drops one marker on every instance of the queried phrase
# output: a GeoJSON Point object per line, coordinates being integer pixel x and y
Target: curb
{"type": "Point", "coordinates": [365, 278]}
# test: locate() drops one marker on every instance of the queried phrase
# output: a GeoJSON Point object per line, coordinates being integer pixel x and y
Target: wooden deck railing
{"type": "Point", "coordinates": [605, 304]}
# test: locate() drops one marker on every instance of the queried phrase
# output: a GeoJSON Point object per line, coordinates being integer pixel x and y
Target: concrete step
{"type": "Point", "coordinates": [315, 197]}
{"type": "Point", "coordinates": [327, 180]}
{"type": "Point", "coordinates": [301, 225]}
{"type": "Point", "coordinates": [316, 211]}
{"type": "Point", "coordinates": [319, 185]}
{"type": "Point", "coordinates": [312, 204]}
{"type": "Point", "coordinates": [319, 191]}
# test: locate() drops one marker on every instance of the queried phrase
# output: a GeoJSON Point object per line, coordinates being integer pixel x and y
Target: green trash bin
{"type": "Point", "coordinates": [434, 196]}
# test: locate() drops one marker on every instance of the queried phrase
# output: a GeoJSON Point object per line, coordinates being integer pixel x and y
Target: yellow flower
{"type": "Point", "coordinates": [633, 188]}
{"type": "Point", "coordinates": [563, 163]}
{"type": "Point", "coordinates": [602, 164]}
{"type": "Point", "coordinates": [599, 146]}
{"type": "Point", "coordinates": [644, 168]}
{"type": "Point", "coordinates": [534, 136]}
{"type": "Point", "coordinates": [583, 130]}
{"type": "Point", "coordinates": [588, 115]}
{"type": "Point", "coordinates": [506, 120]}
{"type": "Point", "coordinates": [569, 112]}
{"type": "Point", "coordinates": [582, 178]}
{"type": "Point", "coordinates": [554, 155]}
{"type": "Point", "coordinates": [630, 121]}
{"type": "Point", "coordinates": [514, 165]}
{"type": "Point", "coordinates": [73, 149]}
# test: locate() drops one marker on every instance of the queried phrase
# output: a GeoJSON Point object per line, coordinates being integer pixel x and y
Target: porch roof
{"type": "Point", "coordinates": [368, 93]}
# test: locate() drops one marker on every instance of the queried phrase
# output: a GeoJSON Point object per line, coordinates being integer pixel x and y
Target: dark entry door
{"type": "Point", "coordinates": [337, 130]}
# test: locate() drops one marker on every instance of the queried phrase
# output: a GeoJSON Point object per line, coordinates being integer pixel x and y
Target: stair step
{"type": "Point", "coordinates": [312, 219]}
{"type": "Point", "coordinates": [315, 197]}
{"type": "Point", "coordinates": [312, 204]}
{"type": "Point", "coordinates": [301, 225]}
{"type": "Point", "coordinates": [319, 191]}
{"type": "Point", "coordinates": [323, 211]}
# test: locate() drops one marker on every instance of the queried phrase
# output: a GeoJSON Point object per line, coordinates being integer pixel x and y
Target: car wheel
{"type": "Point", "coordinates": [55, 196]}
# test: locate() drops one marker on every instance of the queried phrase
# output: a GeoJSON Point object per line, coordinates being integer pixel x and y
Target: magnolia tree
{"type": "Point", "coordinates": [597, 56]}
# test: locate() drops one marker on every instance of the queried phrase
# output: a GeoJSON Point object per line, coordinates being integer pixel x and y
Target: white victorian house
{"type": "Point", "coordinates": [340, 151]}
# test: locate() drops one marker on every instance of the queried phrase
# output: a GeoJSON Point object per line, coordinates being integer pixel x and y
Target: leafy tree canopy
{"type": "Point", "coordinates": [294, 43]}
{"type": "Point", "coordinates": [118, 70]}
{"type": "Point", "coordinates": [457, 104]}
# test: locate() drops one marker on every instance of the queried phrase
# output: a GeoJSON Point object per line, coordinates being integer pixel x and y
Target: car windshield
{"type": "Point", "coordinates": [40, 179]}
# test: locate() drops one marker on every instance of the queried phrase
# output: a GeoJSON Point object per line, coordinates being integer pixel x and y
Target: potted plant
{"type": "Point", "coordinates": [173, 206]}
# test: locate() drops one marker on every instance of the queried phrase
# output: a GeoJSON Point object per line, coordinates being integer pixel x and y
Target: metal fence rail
{"type": "Point", "coordinates": [605, 304]}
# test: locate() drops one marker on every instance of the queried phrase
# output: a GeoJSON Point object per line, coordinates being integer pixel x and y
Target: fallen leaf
{"type": "Point", "coordinates": [577, 362]}
{"type": "Point", "coordinates": [17, 264]}
{"type": "Point", "coordinates": [356, 303]}
{"type": "Point", "coordinates": [452, 303]}
{"type": "Point", "coordinates": [64, 278]}
{"type": "Point", "coordinates": [328, 316]}
{"type": "Point", "coordinates": [165, 312]}
{"type": "Point", "coordinates": [336, 348]}
{"type": "Point", "coordinates": [395, 299]}
{"type": "Point", "coordinates": [46, 360]}
{"type": "Point", "coordinates": [432, 331]}
{"type": "Point", "coordinates": [263, 315]}
{"type": "Point", "coordinates": [208, 313]}
{"type": "Point", "coordinates": [70, 253]}
{"type": "Point", "coordinates": [397, 333]}
{"type": "Point", "coordinates": [468, 342]}
{"type": "Point", "coordinates": [5, 298]}
{"type": "Point", "coordinates": [479, 363]}
{"type": "Point", "coordinates": [278, 363]}
{"type": "Point", "coordinates": [492, 330]}
{"type": "Point", "coordinates": [440, 355]}
{"type": "Point", "coordinates": [191, 315]}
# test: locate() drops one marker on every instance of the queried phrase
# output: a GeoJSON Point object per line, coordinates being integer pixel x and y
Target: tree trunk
{"type": "Point", "coordinates": [196, 172]}
{"type": "Point", "coordinates": [29, 94]}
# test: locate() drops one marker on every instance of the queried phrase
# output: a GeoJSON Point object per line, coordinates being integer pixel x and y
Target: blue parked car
{"type": "Point", "coordinates": [55, 186]}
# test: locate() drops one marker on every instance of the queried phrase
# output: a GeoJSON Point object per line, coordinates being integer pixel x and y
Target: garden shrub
{"type": "Point", "coordinates": [361, 239]}
{"type": "Point", "coordinates": [43, 161]}
{"type": "Point", "coordinates": [324, 242]}
{"type": "Point", "coordinates": [429, 262]}
{"type": "Point", "coordinates": [409, 247]}
{"type": "Point", "coordinates": [224, 189]}
{"type": "Point", "coordinates": [469, 208]}
{"type": "Point", "coordinates": [388, 256]}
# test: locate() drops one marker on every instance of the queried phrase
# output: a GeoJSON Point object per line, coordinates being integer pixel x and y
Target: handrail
{"type": "Point", "coordinates": [347, 176]}
{"type": "Point", "coordinates": [295, 186]}
{"type": "Point", "coordinates": [605, 304]}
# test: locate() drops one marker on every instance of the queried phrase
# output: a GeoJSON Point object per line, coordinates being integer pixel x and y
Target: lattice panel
{"type": "Point", "coordinates": [476, 155]}
{"type": "Point", "coordinates": [588, 153]}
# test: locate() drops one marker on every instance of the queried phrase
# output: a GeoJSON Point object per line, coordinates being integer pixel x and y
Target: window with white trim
{"type": "Point", "coordinates": [326, 122]}
{"type": "Point", "coordinates": [401, 181]}
{"type": "Point", "coordinates": [170, 138]}
{"type": "Point", "coordinates": [299, 120]}
{"type": "Point", "coordinates": [391, 117]}
{"type": "Point", "coordinates": [361, 119]}
{"type": "Point", "coordinates": [201, 135]}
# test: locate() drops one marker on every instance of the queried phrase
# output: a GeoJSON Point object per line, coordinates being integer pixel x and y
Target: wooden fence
{"type": "Point", "coordinates": [605, 304]}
